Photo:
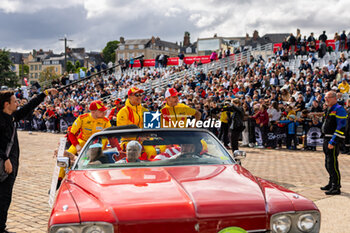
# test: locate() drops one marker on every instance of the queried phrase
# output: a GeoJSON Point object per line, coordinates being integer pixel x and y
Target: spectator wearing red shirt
{"type": "Point", "coordinates": [262, 121]}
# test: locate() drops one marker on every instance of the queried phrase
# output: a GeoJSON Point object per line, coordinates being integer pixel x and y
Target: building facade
{"type": "Point", "coordinates": [150, 48]}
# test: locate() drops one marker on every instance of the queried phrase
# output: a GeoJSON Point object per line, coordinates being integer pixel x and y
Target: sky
{"type": "Point", "coordinates": [39, 24]}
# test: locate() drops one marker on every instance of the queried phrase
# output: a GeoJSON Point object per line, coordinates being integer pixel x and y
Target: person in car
{"type": "Point", "coordinates": [96, 155]}
{"type": "Point", "coordinates": [133, 152]}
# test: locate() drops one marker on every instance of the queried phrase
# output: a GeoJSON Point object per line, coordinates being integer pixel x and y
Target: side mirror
{"type": "Point", "coordinates": [239, 155]}
{"type": "Point", "coordinates": [63, 162]}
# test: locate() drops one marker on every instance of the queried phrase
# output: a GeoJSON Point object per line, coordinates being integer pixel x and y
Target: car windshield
{"type": "Point", "coordinates": [152, 148]}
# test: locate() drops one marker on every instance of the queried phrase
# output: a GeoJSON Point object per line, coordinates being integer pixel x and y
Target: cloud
{"type": "Point", "coordinates": [91, 24]}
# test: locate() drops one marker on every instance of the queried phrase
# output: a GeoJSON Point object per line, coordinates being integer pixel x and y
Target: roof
{"type": "Point", "coordinates": [147, 43]}
{"type": "Point", "coordinates": [16, 58]}
{"type": "Point", "coordinates": [276, 37]}
{"type": "Point", "coordinates": [167, 44]}
{"type": "Point", "coordinates": [137, 41]}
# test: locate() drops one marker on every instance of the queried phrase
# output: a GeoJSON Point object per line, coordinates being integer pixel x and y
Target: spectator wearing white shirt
{"type": "Point", "coordinates": [274, 112]}
{"type": "Point", "coordinates": [330, 66]}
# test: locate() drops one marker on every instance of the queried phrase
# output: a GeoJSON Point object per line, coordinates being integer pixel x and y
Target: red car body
{"type": "Point", "coordinates": [198, 198]}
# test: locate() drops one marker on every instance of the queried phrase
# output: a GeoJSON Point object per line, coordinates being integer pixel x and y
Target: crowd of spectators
{"type": "Point", "coordinates": [277, 101]}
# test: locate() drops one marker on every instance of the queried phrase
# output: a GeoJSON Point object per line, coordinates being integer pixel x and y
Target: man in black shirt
{"type": "Point", "coordinates": [8, 116]}
{"type": "Point", "coordinates": [323, 37]}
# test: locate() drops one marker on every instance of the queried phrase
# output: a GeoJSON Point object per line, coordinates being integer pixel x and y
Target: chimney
{"type": "Point", "coordinates": [153, 40]}
{"type": "Point", "coordinates": [157, 38]}
{"type": "Point", "coordinates": [121, 40]}
{"type": "Point", "coordinates": [187, 39]}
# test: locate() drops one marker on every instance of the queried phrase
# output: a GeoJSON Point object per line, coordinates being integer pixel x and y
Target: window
{"type": "Point", "coordinates": [141, 46]}
{"type": "Point", "coordinates": [36, 67]}
{"type": "Point", "coordinates": [39, 67]}
{"type": "Point", "coordinates": [131, 46]}
{"type": "Point", "coordinates": [56, 69]}
{"type": "Point", "coordinates": [166, 49]}
{"type": "Point", "coordinates": [36, 75]}
{"type": "Point", "coordinates": [122, 47]}
{"type": "Point", "coordinates": [31, 67]}
{"type": "Point", "coordinates": [188, 50]}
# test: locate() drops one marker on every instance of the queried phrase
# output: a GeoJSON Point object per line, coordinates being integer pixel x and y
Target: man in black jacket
{"type": "Point", "coordinates": [8, 116]}
{"type": "Point", "coordinates": [237, 125]}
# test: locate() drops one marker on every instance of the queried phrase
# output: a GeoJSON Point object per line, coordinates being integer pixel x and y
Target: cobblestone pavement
{"type": "Point", "coordinates": [299, 171]}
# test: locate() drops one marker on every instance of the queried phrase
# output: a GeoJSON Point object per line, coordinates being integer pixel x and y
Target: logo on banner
{"type": "Point", "coordinates": [151, 120]}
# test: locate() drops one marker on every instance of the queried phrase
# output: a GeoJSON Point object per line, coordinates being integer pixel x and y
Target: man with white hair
{"type": "Point", "coordinates": [133, 152]}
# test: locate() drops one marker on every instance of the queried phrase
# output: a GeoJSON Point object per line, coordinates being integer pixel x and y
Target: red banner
{"type": "Point", "coordinates": [203, 59]}
{"type": "Point", "coordinates": [173, 61]}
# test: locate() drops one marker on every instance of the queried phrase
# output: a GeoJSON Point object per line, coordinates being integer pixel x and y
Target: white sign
{"type": "Point", "coordinates": [56, 172]}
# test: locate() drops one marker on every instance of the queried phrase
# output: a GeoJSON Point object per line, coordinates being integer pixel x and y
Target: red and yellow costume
{"type": "Point", "coordinates": [171, 116]}
{"type": "Point", "coordinates": [88, 126]}
{"type": "Point", "coordinates": [131, 115]}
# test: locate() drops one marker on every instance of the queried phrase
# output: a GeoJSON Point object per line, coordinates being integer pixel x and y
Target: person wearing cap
{"type": "Point", "coordinates": [174, 114]}
{"type": "Point", "coordinates": [113, 114]}
{"type": "Point", "coordinates": [95, 154]}
{"type": "Point", "coordinates": [132, 112]}
{"type": "Point", "coordinates": [344, 86]}
{"type": "Point", "coordinates": [88, 124]}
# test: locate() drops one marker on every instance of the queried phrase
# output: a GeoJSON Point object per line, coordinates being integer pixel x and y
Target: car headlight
{"type": "Point", "coordinates": [85, 227]}
{"type": "Point", "coordinates": [65, 230]}
{"type": "Point", "coordinates": [306, 222]}
{"type": "Point", "coordinates": [296, 222]}
{"type": "Point", "coordinates": [281, 224]}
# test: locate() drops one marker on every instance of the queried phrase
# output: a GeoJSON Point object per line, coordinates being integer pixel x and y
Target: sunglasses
{"type": "Point", "coordinates": [137, 95]}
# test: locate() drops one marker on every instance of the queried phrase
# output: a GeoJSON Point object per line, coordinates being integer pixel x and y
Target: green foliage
{"type": "Point", "coordinates": [7, 76]}
{"type": "Point", "coordinates": [25, 70]}
{"type": "Point", "coordinates": [109, 51]}
{"type": "Point", "coordinates": [77, 65]}
{"type": "Point", "coordinates": [70, 67]}
{"type": "Point", "coordinates": [47, 76]}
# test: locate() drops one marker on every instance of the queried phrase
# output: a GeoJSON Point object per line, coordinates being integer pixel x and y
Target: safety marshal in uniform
{"type": "Point", "coordinates": [334, 127]}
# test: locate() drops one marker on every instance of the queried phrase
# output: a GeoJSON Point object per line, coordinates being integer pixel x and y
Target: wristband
{"type": "Point", "coordinates": [46, 92]}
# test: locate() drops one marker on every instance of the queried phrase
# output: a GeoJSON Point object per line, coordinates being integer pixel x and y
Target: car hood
{"type": "Point", "coordinates": [185, 192]}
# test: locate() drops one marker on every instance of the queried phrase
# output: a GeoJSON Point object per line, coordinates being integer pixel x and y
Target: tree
{"type": "Point", "coordinates": [77, 65]}
{"type": "Point", "coordinates": [109, 51]}
{"type": "Point", "coordinates": [25, 70]}
{"type": "Point", "coordinates": [7, 76]}
{"type": "Point", "coordinates": [47, 76]}
{"type": "Point", "coordinates": [70, 67]}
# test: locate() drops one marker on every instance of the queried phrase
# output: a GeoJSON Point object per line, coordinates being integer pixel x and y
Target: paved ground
{"type": "Point", "coordinates": [299, 171]}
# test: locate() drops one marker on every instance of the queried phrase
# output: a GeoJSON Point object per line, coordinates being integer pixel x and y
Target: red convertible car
{"type": "Point", "coordinates": [171, 180]}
